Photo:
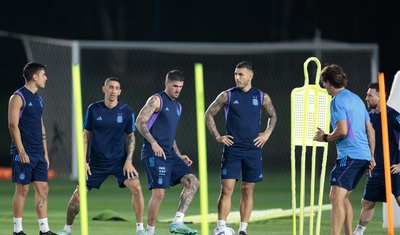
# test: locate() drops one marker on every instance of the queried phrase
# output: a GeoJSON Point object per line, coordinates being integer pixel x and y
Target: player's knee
{"type": "Point", "coordinates": [195, 183]}
{"type": "Point", "coordinates": [75, 196]}
{"type": "Point", "coordinates": [367, 205]}
{"type": "Point", "coordinates": [190, 181]}
{"type": "Point", "coordinates": [136, 189]}
{"type": "Point", "coordinates": [246, 192]}
{"type": "Point", "coordinates": [22, 190]}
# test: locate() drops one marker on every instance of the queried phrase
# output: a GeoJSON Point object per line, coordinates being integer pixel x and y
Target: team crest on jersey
{"type": "Point", "coordinates": [255, 101]}
{"type": "Point", "coordinates": [120, 119]}
{"type": "Point", "coordinates": [178, 111]}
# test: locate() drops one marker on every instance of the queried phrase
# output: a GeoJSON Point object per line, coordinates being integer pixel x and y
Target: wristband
{"type": "Point", "coordinates": [325, 137]}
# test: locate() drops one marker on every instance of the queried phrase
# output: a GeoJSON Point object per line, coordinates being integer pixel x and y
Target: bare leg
{"type": "Point", "coordinates": [190, 186]}
{"type": "Point", "coordinates": [225, 198]}
{"type": "Point", "coordinates": [338, 214]}
{"type": "Point", "coordinates": [73, 207]}
{"type": "Point", "coordinates": [41, 193]}
{"type": "Point", "coordinates": [157, 195]}
{"type": "Point", "coordinates": [348, 222]}
{"type": "Point", "coordinates": [246, 202]}
{"type": "Point", "coordinates": [137, 198]}
{"type": "Point", "coordinates": [21, 191]}
{"type": "Point", "coordinates": [367, 212]}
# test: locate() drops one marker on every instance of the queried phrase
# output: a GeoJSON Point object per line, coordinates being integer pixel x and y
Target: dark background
{"type": "Point", "coordinates": [192, 21]}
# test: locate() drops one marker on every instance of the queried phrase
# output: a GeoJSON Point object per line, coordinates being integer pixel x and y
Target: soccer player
{"type": "Point", "coordinates": [30, 160]}
{"type": "Point", "coordinates": [375, 185]}
{"type": "Point", "coordinates": [243, 141]}
{"type": "Point", "coordinates": [109, 130]}
{"type": "Point", "coordinates": [355, 144]}
{"type": "Point", "coordinates": [165, 165]}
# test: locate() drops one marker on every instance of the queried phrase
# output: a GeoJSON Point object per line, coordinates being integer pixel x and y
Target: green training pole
{"type": "Point", "coordinates": [79, 140]}
{"type": "Point", "coordinates": [202, 146]}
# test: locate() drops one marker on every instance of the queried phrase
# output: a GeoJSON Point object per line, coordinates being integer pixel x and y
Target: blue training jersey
{"type": "Point", "coordinates": [108, 129]}
{"type": "Point", "coordinates": [394, 135]}
{"type": "Point", "coordinates": [349, 107]}
{"type": "Point", "coordinates": [243, 119]}
{"type": "Point", "coordinates": [30, 122]}
{"type": "Point", "coordinates": [163, 125]}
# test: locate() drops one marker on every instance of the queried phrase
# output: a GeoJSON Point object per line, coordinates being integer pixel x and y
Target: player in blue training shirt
{"type": "Point", "coordinates": [355, 144]}
{"type": "Point", "coordinates": [30, 160]}
{"type": "Point", "coordinates": [243, 141]}
{"type": "Point", "coordinates": [165, 165]}
{"type": "Point", "coordinates": [375, 185]}
{"type": "Point", "coordinates": [109, 130]}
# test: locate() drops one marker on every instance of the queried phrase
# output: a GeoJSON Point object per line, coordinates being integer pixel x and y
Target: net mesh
{"type": "Point", "coordinates": [142, 69]}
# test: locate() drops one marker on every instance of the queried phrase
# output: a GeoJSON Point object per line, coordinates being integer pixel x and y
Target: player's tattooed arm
{"type": "Point", "coordinates": [212, 110]}
{"type": "Point", "coordinates": [130, 144]}
{"type": "Point", "coordinates": [176, 150]}
{"type": "Point", "coordinates": [270, 110]}
{"type": "Point", "coordinates": [152, 105]}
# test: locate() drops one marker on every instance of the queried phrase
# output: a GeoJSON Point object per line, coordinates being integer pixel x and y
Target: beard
{"type": "Point", "coordinates": [372, 106]}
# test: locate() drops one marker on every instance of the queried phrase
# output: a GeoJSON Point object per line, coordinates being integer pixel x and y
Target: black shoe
{"type": "Point", "coordinates": [242, 233]}
{"type": "Point", "coordinates": [47, 233]}
{"type": "Point", "coordinates": [20, 233]}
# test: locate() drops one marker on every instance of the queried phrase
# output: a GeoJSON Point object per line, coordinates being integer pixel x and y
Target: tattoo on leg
{"type": "Point", "coordinates": [364, 223]}
{"type": "Point", "coordinates": [73, 210]}
{"type": "Point", "coordinates": [41, 202]}
{"type": "Point", "coordinates": [191, 186]}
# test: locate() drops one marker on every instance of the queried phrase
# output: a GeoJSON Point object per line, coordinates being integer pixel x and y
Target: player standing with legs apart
{"type": "Point", "coordinates": [30, 160]}
{"type": "Point", "coordinates": [375, 186]}
{"type": "Point", "coordinates": [243, 141]}
{"type": "Point", "coordinates": [355, 144]}
{"type": "Point", "coordinates": [109, 130]}
{"type": "Point", "coordinates": [165, 165]}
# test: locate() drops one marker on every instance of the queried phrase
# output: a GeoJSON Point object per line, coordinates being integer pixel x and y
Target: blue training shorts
{"type": "Point", "coordinates": [375, 190]}
{"type": "Point", "coordinates": [100, 172]}
{"type": "Point", "coordinates": [165, 173]}
{"type": "Point", "coordinates": [36, 170]}
{"type": "Point", "coordinates": [347, 172]}
{"type": "Point", "coordinates": [250, 167]}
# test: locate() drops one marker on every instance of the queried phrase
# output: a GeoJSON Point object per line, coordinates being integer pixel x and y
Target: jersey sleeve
{"type": "Point", "coordinates": [339, 110]}
{"type": "Point", "coordinates": [87, 120]}
{"type": "Point", "coordinates": [130, 125]}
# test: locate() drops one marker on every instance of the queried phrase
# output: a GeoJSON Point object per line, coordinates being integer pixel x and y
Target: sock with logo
{"type": "Point", "coordinates": [178, 218]}
{"type": "Point", "coordinates": [17, 224]}
{"type": "Point", "coordinates": [43, 225]}
{"type": "Point", "coordinates": [150, 230]}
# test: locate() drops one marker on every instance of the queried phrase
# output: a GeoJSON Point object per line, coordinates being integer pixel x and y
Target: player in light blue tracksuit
{"type": "Point", "coordinates": [355, 144]}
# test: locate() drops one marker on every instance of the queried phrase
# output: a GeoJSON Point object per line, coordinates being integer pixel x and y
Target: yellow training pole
{"type": "Point", "coordinates": [386, 153]}
{"type": "Point", "coordinates": [79, 140]}
{"type": "Point", "coordinates": [202, 147]}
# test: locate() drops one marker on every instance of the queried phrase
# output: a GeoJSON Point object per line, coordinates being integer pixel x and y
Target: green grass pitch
{"type": "Point", "coordinates": [273, 192]}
